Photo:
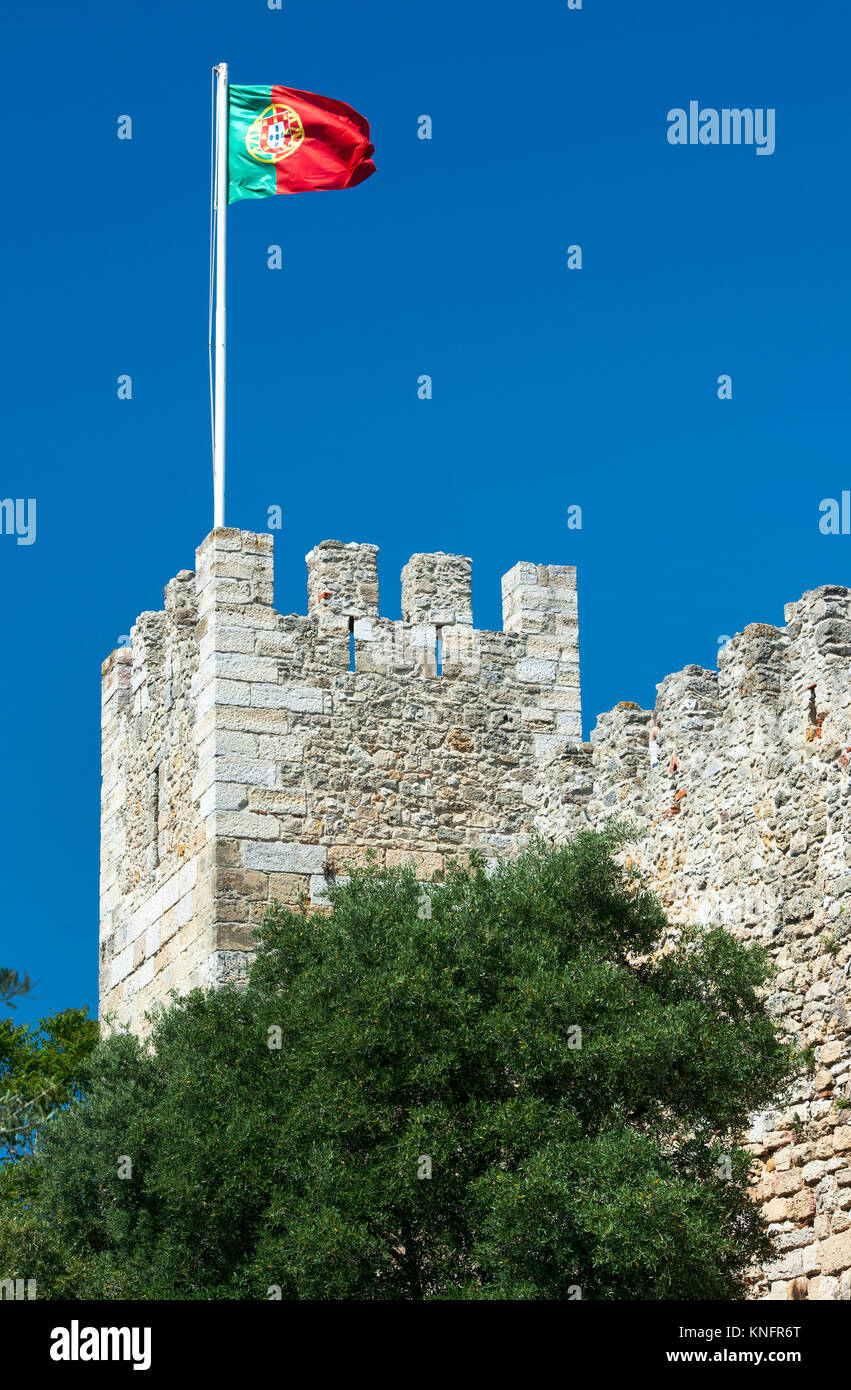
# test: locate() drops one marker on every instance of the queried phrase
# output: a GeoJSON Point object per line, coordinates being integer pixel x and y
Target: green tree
{"type": "Point", "coordinates": [13, 1121]}
{"type": "Point", "coordinates": [576, 1095]}
{"type": "Point", "coordinates": [12, 986]}
{"type": "Point", "coordinates": [41, 1069]}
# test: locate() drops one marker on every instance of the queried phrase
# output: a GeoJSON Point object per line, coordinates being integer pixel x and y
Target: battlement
{"type": "Point", "coordinates": [249, 755]}
{"type": "Point", "coordinates": [342, 580]}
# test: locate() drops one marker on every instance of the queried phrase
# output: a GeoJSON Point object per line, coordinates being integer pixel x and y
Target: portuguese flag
{"type": "Point", "coordinates": [281, 140]}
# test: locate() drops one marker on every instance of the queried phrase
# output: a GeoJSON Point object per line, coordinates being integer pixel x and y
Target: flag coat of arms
{"type": "Point", "coordinates": [281, 140]}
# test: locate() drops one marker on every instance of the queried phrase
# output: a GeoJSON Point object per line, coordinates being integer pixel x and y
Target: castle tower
{"type": "Point", "coordinates": [249, 756]}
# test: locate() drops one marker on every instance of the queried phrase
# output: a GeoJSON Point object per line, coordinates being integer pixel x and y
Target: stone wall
{"type": "Point", "coordinates": [745, 821]}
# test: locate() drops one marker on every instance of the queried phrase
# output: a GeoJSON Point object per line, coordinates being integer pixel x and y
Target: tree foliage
{"type": "Point", "coordinates": [577, 1094]}
{"type": "Point", "coordinates": [42, 1068]}
{"type": "Point", "coordinates": [13, 986]}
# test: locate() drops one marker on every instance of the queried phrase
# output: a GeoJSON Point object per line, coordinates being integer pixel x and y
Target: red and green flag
{"type": "Point", "coordinates": [281, 140]}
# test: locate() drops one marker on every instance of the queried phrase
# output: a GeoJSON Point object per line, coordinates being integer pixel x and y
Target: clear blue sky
{"type": "Point", "coordinates": [551, 387]}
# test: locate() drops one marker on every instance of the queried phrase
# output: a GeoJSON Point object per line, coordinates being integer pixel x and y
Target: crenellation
{"type": "Point", "coordinates": [437, 591]}
{"type": "Point", "coordinates": [540, 599]}
{"type": "Point", "coordinates": [342, 581]}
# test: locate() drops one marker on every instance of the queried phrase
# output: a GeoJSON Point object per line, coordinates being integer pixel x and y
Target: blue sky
{"type": "Point", "coordinates": [552, 387]}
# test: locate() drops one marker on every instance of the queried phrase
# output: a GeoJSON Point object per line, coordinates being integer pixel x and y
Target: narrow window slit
{"type": "Point", "coordinates": [351, 644]}
{"type": "Point", "coordinates": [154, 818]}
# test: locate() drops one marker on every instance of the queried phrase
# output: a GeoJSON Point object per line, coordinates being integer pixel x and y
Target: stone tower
{"type": "Point", "coordinates": [249, 756]}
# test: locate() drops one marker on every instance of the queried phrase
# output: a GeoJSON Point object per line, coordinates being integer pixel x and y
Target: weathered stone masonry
{"type": "Point", "coordinates": [248, 756]}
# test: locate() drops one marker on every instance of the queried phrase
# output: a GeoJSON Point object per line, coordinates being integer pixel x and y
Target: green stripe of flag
{"type": "Point", "coordinates": [248, 178]}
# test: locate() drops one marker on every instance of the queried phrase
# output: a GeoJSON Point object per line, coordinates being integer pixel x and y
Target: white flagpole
{"type": "Point", "coordinates": [221, 224]}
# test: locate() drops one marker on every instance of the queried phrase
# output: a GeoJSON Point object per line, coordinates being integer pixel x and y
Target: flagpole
{"type": "Point", "coordinates": [221, 230]}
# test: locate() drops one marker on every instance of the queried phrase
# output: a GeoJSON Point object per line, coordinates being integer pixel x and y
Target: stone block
{"type": "Point", "coordinates": [823, 1288]}
{"type": "Point", "coordinates": [284, 859]}
{"type": "Point", "coordinates": [842, 1138]}
{"type": "Point", "coordinates": [536, 671]}
{"type": "Point", "coordinates": [835, 1253]}
{"type": "Point", "coordinates": [246, 825]}
{"type": "Point", "coordinates": [287, 697]}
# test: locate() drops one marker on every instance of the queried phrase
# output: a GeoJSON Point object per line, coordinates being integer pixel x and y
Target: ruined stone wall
{"type": "Point", "coordinates": [746, 822]}
{"type": "Point", "coordinates": [249, 756]}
